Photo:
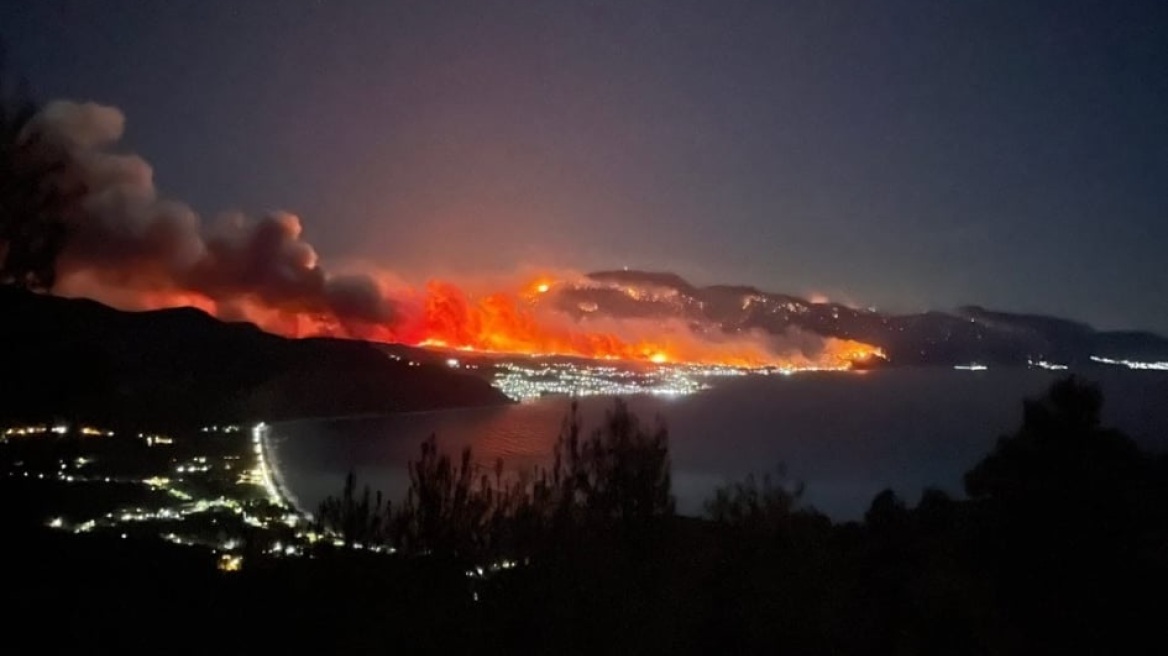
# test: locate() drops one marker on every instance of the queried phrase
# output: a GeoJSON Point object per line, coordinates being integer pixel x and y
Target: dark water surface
{"type": "Point", "coordinates": [846, 436]}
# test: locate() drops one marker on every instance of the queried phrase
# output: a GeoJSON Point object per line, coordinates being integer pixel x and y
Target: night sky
{"type": "Point", "coordinates": [905, 155]}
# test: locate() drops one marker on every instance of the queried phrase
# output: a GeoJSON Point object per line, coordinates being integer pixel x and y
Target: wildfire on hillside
{"type": "Point", "coordinates": [444, 316]}
{"type": "Point", "coordinates": [133, 248]}
{"type": "Point", "coordinates": [515, 322]}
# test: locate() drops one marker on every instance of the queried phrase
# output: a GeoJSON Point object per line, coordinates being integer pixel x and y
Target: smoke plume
{"type": "Point", "coordinates": [133, 248]}
{"type": "Point", "coordinates": [129, 243]}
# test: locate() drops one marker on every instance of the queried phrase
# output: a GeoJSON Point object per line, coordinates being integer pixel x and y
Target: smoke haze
{"type": "Point", "coordinates": [133, 248]}
{"type": "Point", "coordinates": [131, 242]}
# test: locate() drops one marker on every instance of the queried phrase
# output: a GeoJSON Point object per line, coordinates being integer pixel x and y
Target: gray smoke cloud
{"type": "Point", "coordinates": [129, 238]}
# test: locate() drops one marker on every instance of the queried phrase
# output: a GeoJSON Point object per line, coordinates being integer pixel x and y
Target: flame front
{"type": "Point", "coordinates": [443, 315]}
{"type": "Point", "coordinates": [156, 252]}
{"type": "Point", "coordinates": [512, 323]}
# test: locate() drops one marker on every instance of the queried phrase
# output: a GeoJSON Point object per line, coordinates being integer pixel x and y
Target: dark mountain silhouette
{"type": "Point", "coordinates": [75, 358]}
{"type": "Point", "coordinates": [970, 334]}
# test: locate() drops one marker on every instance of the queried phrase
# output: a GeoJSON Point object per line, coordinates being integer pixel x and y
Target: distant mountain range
{"type": "Point", "coordinates": [74, 358]}
{"type": "Point", "coordinates": [970, 334]}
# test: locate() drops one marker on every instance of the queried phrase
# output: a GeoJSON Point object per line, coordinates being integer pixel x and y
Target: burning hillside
{"type": "Point", "coordinates": [132, 248]}
{"type": "Point", "coordinates": [527, 321]}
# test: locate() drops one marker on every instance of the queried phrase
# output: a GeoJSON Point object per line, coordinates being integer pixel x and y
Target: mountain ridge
{"type": "Point", "coordinates": [969, 334]}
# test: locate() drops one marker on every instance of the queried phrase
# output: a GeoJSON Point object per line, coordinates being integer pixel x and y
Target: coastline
{"type": "Point", "coordinates": [273, 480]}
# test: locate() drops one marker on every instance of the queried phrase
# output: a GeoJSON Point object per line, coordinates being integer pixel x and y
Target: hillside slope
{"type": "Point", "coordinates": [73, 358]}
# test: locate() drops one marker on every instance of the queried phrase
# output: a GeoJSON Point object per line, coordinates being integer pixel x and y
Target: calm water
{"type": "Point", "coordinates": [846, 436]}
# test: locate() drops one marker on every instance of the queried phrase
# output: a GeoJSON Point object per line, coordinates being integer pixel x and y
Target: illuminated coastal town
{"type": "Point", "coordinates": [527, 377]}
{"type": "Point", "coordinates": [213, 490]}
{"type": "Point", "coordinates": [524, 381]}
{"type": "Point", "coordinates": [217, 489]}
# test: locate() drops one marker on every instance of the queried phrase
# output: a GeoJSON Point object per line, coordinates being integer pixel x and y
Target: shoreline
{"type": "Point", "coordinates": [273, 479]}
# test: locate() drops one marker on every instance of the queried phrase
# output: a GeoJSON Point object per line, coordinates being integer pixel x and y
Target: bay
{"type": "Point", "coordinates": [845, 436]}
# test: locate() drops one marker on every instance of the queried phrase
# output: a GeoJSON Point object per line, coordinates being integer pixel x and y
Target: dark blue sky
{"type": "Point", "coordinates": [897, 154]}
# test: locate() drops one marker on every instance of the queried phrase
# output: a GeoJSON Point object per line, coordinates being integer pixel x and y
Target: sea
{"type": "Point", "coordinates": [843, 436]}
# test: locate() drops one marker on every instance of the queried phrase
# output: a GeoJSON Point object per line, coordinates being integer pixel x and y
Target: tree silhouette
{"type": "Point", "coordinates": [617, 479]}
{"type": "Point", "coordinates": [756, 505]}
{"type": "Point", "coordinates": [887, 512]}
{"type": "Point", "coordinates": [936, 512]}
{"type": "Point", "coordinates": [356, 520]}
{"type": "Point", "coordinates": [621, 473]}
{"type": "Point", "coordinates": [1061, 460]}
{"type": "Point", "coordinates": [447, 509]}
{"type": "Point", "coordinates": [1072, 523]}
{"type": "Point", "coordinates": [34, 202]}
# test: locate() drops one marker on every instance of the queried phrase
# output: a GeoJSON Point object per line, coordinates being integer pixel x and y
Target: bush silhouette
{"type": "Point", "coordinates": [620, 473]}
{"type": "Point", "coordinates": [1059, 450]}
{"type": "Point", "coordinates": [756, 505]}
{"type": "Point", "coordinates": [1071, 518]}
{"type": "Point", "coordinates": [616, 479]}
{"type": "Point", "coordinates": [447, 509]}
{"type": "Point", "coordinates": [354, 521]}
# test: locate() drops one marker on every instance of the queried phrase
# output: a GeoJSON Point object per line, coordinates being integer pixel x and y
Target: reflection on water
{"type": "Point", "coordinates": [846, 436]}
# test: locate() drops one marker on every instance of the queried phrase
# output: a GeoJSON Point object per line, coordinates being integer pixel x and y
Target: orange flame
{"type": "Point", "coordinates": [511, 323]}
{"type": "Point", "coordinates": [444, 316]}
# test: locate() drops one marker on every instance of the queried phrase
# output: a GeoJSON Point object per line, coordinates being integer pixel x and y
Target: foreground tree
{"type": "Point", "coordinates": [616, 481]}
{"type": "Point", "coordinates": [357, 520]}
{"type": "Point", "coordinates": [448, 509]}
{"type": "Point", "coordinates": [758, 506]}
{"type": "Point", "coordinates": [1062, 465]}
{"type": "Point", "coordinates": [1073, 525]}
{"type": "Point", "coordinates": [621, 473]}
{"type": "Point", "coordinates": [34, 200]}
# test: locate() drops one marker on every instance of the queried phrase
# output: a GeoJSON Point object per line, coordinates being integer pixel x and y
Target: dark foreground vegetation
{"type": "Point", "coordinates": [1061, 546]}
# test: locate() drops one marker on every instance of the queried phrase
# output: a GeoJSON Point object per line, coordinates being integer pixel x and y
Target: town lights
{"type": "Point", "coordinates": [230, 563]}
